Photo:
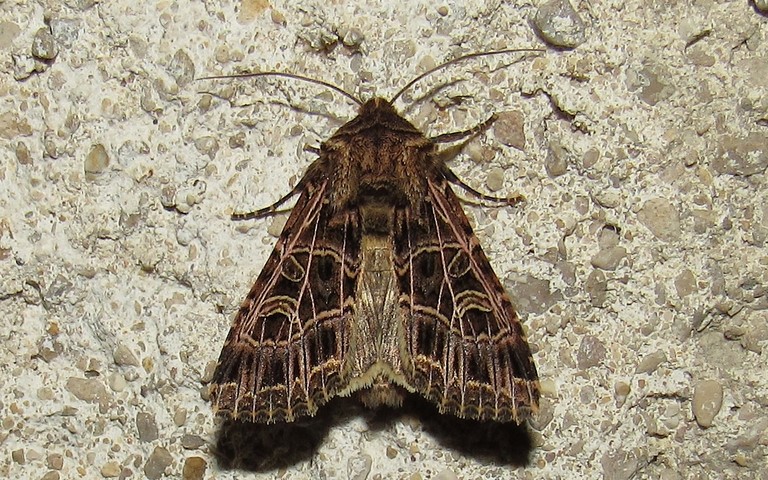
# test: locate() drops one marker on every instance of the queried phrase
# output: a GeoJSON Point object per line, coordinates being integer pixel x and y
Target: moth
{"type": "Point", "coordinates": [378, 287]}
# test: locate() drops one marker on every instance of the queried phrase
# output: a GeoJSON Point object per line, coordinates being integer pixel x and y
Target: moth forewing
{"type": "Point", "coordinates": [377, 286]}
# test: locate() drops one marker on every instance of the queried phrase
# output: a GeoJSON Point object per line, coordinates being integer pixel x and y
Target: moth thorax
{"type": "Point", "coordinates": [382, 394]}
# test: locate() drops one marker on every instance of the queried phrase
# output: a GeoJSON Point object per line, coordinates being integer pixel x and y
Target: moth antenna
{"type": "Point", "coordinates": [288, 75]}
{"type": "Point", "coordinates": [457, 60]}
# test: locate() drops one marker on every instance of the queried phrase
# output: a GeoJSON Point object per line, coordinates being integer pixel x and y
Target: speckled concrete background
{"type": "Point", "coordinates": [638, 261]}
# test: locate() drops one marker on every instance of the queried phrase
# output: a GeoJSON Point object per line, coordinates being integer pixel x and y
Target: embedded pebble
{"type": "Point", "coordinates": [608, 198]}
{"type": "Point", "coordinates": [619, 465]}
{"type": "Point", "coordinates": [706, 402]}
{"type": "Point", "coordinates": [22, 154]}
{"type": "Point", "coordinates": [762, 5]}
{"type": "Point", "coordinates": [596, 287]}
{"type": "Point", "coordinates": [685, 283]}
{"type": "Point", "coordinates": [207, 145]}
{"type": "Point", "coordinates": [18, 456]}
{"type": "Point", "coordinates": [97, 160]}
{"type": "Point", "coordinates": [653, 89]}
{"type": "Point", "coordinates": [124, 356]}
{"type": "Point", "coordinates": [621, 392]}
{"type": "Point", "coordinates": [591, 352]}
{"type": "Point", "coordinates": [53, 475]}
{"type": "Point", "coordinates": [194, 468]}
{"type": "Point", "coordinates": [110, 470]}
{"type": "Point", "coordinates": [182, 68]}
{"type": "Point", "coordinates": [446, 474]}
{"type": "Point", "coordinates": [742, 156]}
{"type": "Point", "coordinates": [117, 382]}
{"type": "Point", "coordinates": [559, 25]}
{"type": "Point", "coordinates": [55, 461]}
{"type": "Point", "coordinates": [180, 416]}
{"type": "Point", "coordinates": [661, 218]}
{"type": "Point", "coordinates": [87, 389]}
{"type": "Point", "coordinates": [495, 179]}
{"type": "Point", "coordinates": [391, 451]}
{"type": "Point", "coordinates": [44, 45]}
{"type": "Point", "coordinates": [358, 468]}
{"type": "Point", "coordinates": [191, 442]}
{"type": "Point", "coordinates": [147, 427]}
{"type": "Point", "coordinates": [8, 33]}
{"type": "Point", "coordinates": [509, 129]}
{"type": "Point", "coordinates": [651, 362]}
{"type": "Point", "coordinates": [609, 258]}
{"type": "Point", "coordinates": [532, 294]}
{"type": "Point", "coordinates": [158, 461]}
{"type": "Point", "coordinates": [556, 162]}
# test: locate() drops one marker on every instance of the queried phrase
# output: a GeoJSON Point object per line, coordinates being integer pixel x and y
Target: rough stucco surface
{"type": "Point", "coordinates": [638, 261]}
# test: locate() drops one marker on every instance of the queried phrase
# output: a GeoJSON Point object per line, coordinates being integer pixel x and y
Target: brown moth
{"type": "Point", "coordinates": [377, 286]}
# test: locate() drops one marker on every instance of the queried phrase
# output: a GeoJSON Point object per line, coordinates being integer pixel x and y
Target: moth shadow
{"type": "Point", "coordinates": [256, 447]}
{"type": "Point", "coordinates": [503, 444]}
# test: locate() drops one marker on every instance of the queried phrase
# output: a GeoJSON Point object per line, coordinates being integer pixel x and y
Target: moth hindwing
{"type": "Point", "coordinates": [377, 286]}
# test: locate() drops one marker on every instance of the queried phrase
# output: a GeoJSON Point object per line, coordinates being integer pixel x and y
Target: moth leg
{"type": "Point", "coordinates": [270, 210]}
{"type": "Point", "coordinates": [451, 177]}
{"type": "Point", "coordinates": [456, 136]}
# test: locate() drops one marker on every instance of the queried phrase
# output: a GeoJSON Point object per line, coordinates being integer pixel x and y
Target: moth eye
{"type": "Point", "coordinates": [324, 266]}
{"type": "Point", "coordinates": [459, 264]}
{"type": "Point", "coordinates": [292, 269]}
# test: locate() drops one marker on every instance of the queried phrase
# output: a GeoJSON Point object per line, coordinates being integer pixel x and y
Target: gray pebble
{"type": "Point", "coordinates": [591, 352]}
{"type": "Point", "coordinates": [18, 456]}
{"type": "Point", "coordinates": [556, 162]}
{"type": "Point", "coordinates": [158, 461]}
{"type": "Point", "coordinates": [182, 68]}
{"type": "Point", "coordinates": [620, 465]}
{"type": "Point", "coordinates": [685, 283]}
{"type": "Point", "coordinates": [22, 154]}
{"type": "Point", "coordinates": [97, 159]}
{"type": "Point", "coordinates": [597, 288]}
{"type": "Point", "coordinates": [207, 145]}
{"type": "Point", "coordinates": [87, 389]}
{"type": "Point", "coordinates": [742, 156]}
{"type": "Point", "coordinates": [495, 179]}
{"type": "Point", "coordinates": [66, 31]}
{"type": "Point", "coordinates": [124, 356]}
{"type": "Point", "coordinates": [55, 461]}
{"type": "Point", "coordinates": [707, 400]}
{"type": "Point", "coordinates": [8, 33]}
{"type": "Point", "coordinates": [651, 362]}
{"type": "Point", "coordinates": [446, 474]}
{"type": "Point", "coordinates": [353, 38]}
{"type": "Point", "coordinates": [608, 237]}
{"type": "Point", "coordinates": [609, 258]}
{"type": "Point", "coordinates": [180, 416]}
{"type": "Point", "coordinates": [509, 129]}
{"type": "Point", "coordinates": [192, 442]}
{"type": "Point", "coordinates": [608, 198]}
{"type": "Point", "coordinates": [532, 294]}
{"type": "Point", "coordinates": [661, 218]}
{"type": "Point", "coordinates": [559, 25]}
{"type": "Point", "coordinates": [44, 45]}
{"type": "Point", "coordinates": [147, 427]}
